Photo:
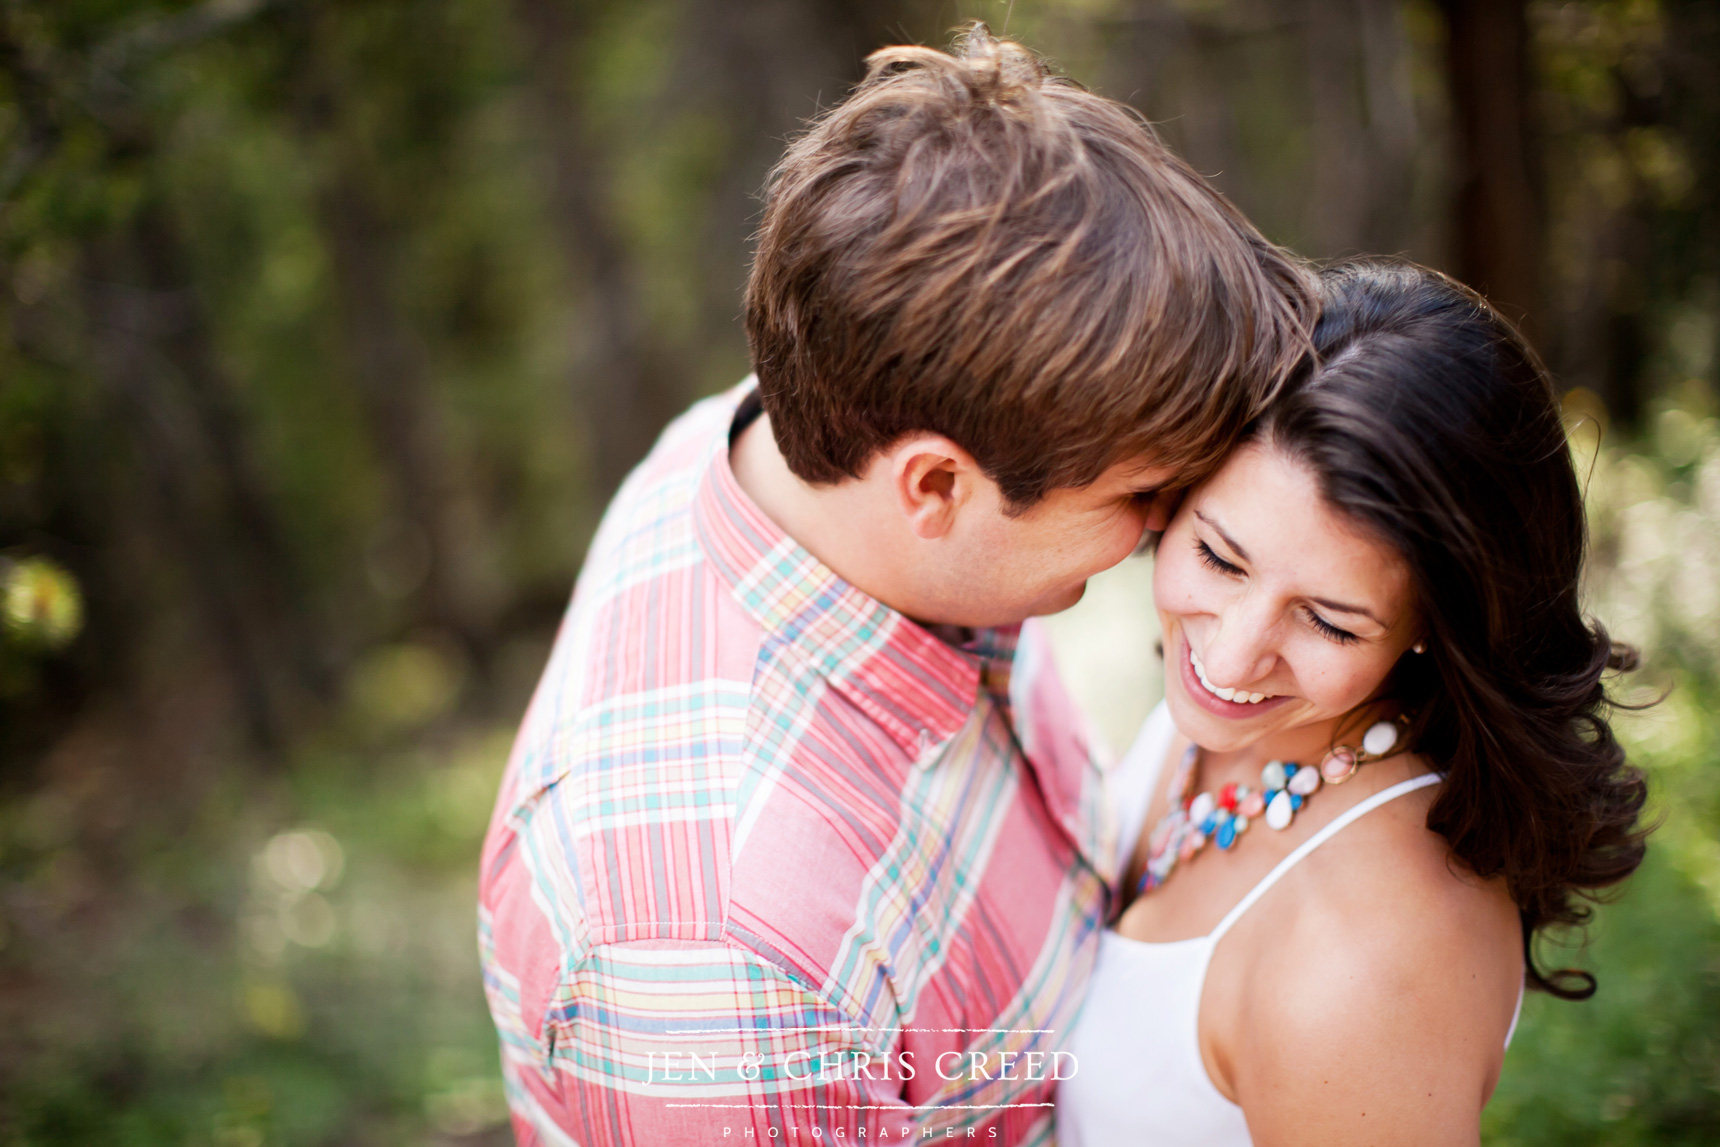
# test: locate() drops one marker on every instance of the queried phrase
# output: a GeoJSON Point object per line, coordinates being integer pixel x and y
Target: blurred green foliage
{"type": "Point", "coordinates": [326, 327]}
{"type": "Point", "coordinates": [1640, 1063]}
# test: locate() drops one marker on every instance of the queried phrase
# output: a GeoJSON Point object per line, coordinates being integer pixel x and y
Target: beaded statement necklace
{"type": "Point", "coordinates": [1221, 817]}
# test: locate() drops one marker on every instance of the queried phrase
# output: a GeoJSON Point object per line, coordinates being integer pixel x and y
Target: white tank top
{"type": "Point", "coordinates": [1139, 1080]}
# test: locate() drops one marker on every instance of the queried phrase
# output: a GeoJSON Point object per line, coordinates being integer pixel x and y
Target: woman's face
{"type": "Point", "coordinates": [1279, 615]}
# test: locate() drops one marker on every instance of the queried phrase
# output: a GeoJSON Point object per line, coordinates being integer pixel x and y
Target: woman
{"type": "Point", "coordinates": [1381, 587]}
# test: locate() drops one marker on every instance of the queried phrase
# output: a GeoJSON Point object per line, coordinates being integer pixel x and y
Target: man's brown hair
{"type": "Point", "coordinates": [971, 246]}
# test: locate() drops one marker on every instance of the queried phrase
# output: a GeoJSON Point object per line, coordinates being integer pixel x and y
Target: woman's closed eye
{"type": "Point", "coordinates": [1328, 630]}
{"type": "Point", "coordinates": [1213, 561]}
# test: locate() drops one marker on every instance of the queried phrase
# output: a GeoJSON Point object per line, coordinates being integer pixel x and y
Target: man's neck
{"type": "Point", "coordinates": [835, 523]}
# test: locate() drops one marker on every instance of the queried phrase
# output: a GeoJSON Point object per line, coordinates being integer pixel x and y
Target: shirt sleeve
{"type": "Point", "coordinates": [658, 1042]}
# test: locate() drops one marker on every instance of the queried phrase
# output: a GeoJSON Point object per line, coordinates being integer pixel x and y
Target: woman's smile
{"type": "Point", "coordinates": [1235, 704]}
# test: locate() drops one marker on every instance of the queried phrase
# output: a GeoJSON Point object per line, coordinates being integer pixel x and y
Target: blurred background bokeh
{"type": "Point", "coordinates": [327, 326]}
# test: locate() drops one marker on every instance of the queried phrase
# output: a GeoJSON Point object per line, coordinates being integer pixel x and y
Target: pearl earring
{"type": "Point", "coordinates": [1420, 647]}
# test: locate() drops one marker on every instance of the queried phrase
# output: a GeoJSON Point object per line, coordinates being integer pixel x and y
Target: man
{"type": "Point", "coordinates": [795, 844]}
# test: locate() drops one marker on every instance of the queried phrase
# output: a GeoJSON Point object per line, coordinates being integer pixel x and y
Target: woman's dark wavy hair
{"type": "Point", "coordinates": [1427, 419]}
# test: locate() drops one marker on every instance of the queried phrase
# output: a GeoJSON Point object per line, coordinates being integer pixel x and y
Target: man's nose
{"type": "Point", "coordinates": [1162, 507]}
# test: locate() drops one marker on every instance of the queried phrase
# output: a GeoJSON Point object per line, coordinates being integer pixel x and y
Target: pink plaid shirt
{"type": "Point", "coordinates": [771, 861]}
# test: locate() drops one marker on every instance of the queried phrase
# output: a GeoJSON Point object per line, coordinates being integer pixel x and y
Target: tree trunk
{"type": "Point", "coordinates": [272, 573]}
{"type": "Point", "coordinates": [180, 477]}
{"type": "Point", "coordinates": [390, 373]}
{"type": "Point", "coordinates": [1340, 184]}
{"type": "Point", "coordinates": [1498, 217]}
{"type": "Point", "coordinates": [1390, 124]}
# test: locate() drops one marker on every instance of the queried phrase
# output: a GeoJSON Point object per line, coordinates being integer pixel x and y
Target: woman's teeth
{"type": "Point", "coordinates": [1239, 696]}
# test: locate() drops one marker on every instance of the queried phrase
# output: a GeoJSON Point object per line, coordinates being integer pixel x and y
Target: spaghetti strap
{"type": "Point", "coordinates": [1315, 841]}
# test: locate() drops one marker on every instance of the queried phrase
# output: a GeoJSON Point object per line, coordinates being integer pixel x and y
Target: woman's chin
{"type": "Point", "coordinates": [1212, 733]}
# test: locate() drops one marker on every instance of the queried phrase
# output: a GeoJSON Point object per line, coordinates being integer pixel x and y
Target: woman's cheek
{"type": "Point", "coordinates": [1174, 585]}
{"type": "Point", "coordinates": [1346, 684]}
{"type": "Point", "coordinates": [1322, 680]}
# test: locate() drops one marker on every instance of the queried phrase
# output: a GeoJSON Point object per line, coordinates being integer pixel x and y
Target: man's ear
{"type": "Point", "coordinates": [933, 479]}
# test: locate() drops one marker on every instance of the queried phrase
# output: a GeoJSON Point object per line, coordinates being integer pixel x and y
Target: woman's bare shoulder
{"type": "Point", "coordinates": [1407, 969]}
{"type": "Point", "coordinates": [1389, 890]}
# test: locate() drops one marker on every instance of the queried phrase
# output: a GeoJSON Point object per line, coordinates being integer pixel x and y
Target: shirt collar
{"type": "Point", "coordinates": [919, 688]}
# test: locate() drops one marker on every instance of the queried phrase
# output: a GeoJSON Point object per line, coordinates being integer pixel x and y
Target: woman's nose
{"type": "Point", "coordinates": [1240, 650]}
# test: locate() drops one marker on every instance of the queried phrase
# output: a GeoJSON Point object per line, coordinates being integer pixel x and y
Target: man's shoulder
{"type": "Point", "coordinates": [651, 649]}
{"type": "Point", "coordinates": [647, 527]}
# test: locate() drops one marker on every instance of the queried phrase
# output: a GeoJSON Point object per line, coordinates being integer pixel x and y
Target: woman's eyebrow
{"type": "Point", "coordinates": [1340, 607]}
{"type": "Point", "coordinates": [1228, 540]}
